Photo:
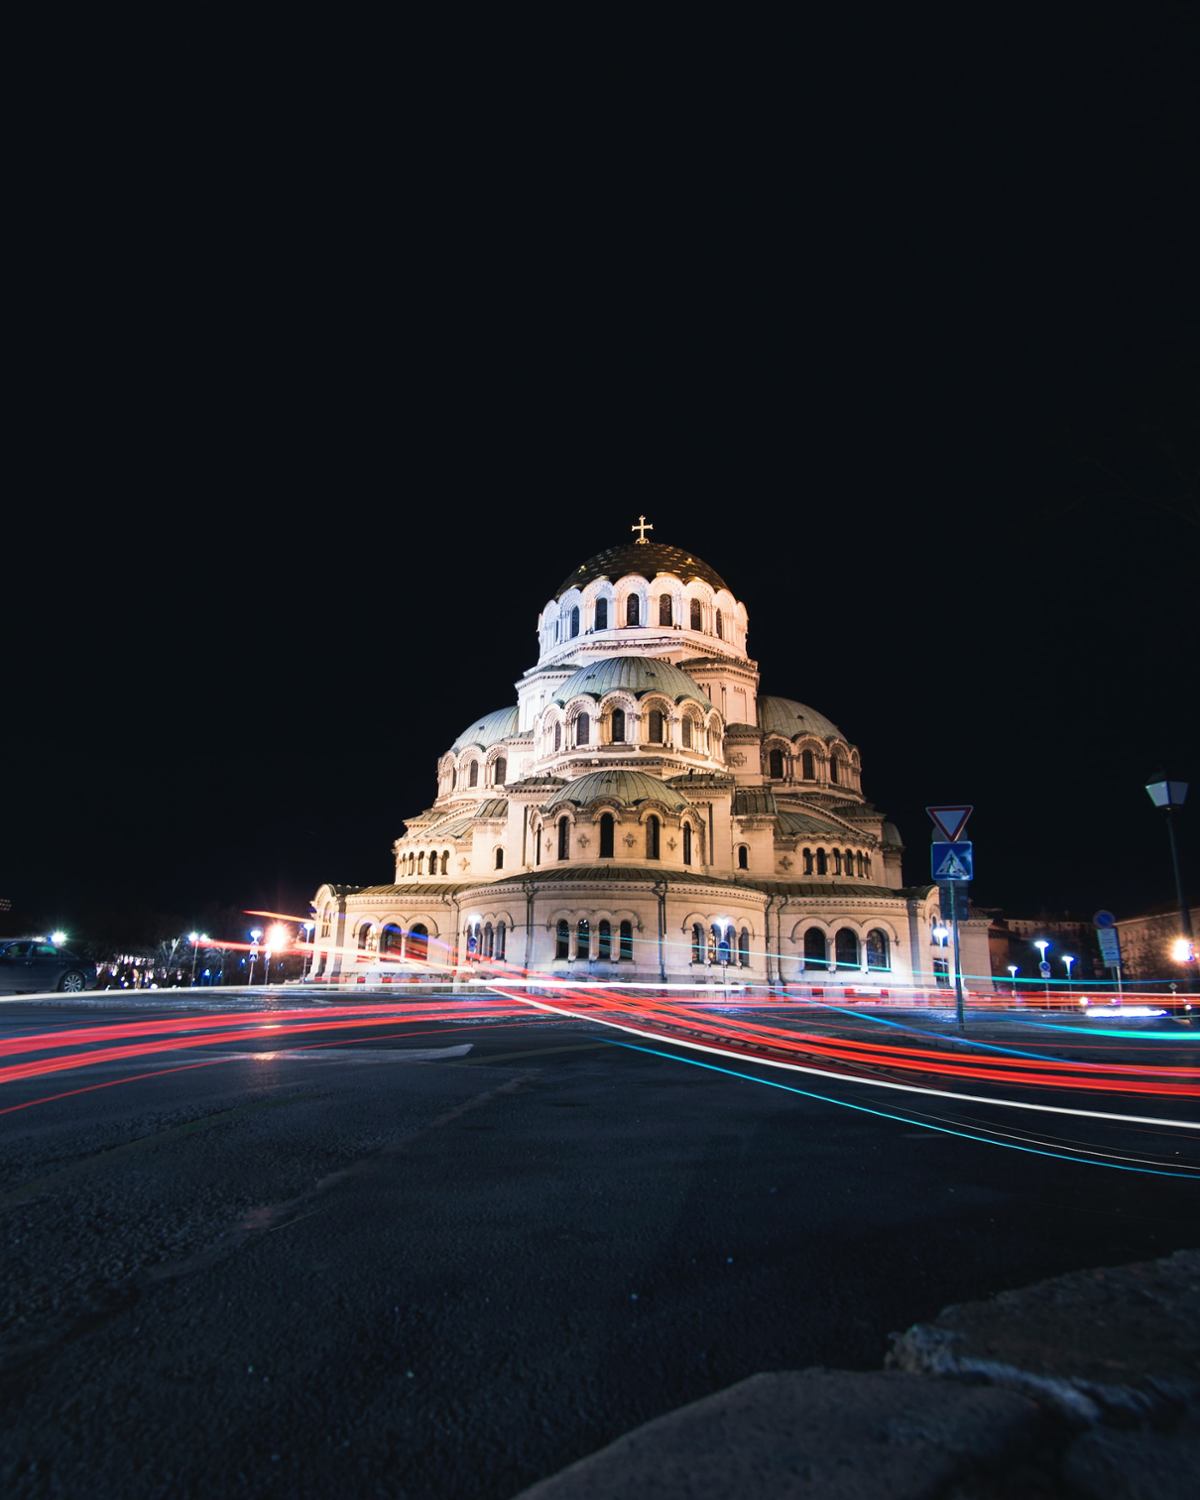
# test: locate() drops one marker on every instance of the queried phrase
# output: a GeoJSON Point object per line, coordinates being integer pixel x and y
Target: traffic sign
{"type": "Point", "coordinates": [1104, 919]}
{"type": "Point", "coordinates": [1110, 946]}
{"type": "Point", "coordinates": [953, 861]}
{"type": "Point", "coordinates": [1044, 970]}
{"type": "Point", "coordinates": [950, 821]}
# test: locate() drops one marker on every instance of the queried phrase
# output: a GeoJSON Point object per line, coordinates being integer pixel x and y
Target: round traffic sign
{"type": "Point", "coordinates": [1104, 919]}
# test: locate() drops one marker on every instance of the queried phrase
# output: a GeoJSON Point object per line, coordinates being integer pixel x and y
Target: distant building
{"type": "Point", "coordinates": [1011, 939]}
{"type": "Point", "coordinates": [1148, 942]}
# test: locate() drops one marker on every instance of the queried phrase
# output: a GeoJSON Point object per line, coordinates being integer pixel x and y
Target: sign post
{"type": "Point", "coordinates": [1110, 945]}
{"type": "Point", "coordinates": [952, 862]}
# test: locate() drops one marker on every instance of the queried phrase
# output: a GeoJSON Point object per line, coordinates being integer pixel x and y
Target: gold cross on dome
{"type": "Point", "coordinates": [641, 528]}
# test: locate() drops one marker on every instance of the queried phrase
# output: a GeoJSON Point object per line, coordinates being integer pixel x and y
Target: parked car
{"type": "Point", "coordinates": [35, 964]}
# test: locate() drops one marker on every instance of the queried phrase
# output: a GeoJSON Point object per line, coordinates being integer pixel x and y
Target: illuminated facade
{"type": "Point", "coordinates": [643, 812]}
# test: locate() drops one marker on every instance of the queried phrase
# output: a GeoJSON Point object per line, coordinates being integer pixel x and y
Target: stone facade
{"type": "Point", "coordinates": [644, 813]}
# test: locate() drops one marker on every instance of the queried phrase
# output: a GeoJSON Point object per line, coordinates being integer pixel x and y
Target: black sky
{"type": "Point", "coordinates": [914, 367]}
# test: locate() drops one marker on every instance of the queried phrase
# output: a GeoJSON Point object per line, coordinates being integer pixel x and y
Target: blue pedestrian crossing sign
{"type": "Point", "coordinates": [953, 861]}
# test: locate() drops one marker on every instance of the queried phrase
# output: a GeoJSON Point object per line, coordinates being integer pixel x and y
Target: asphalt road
{"type": "Point", "coordinates": [392, 1267]}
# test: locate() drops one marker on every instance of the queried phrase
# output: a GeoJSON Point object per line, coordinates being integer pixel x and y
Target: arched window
{"type": "Point", "coordinates": [575, 621]}
{"type": "Point", "coordinates": [664, 609]}
{"type": "Point", "coordinates": [720, 626]}
{"type": "Point", "coordinates": [499, 771]}
{"type": "Point", "coordinates": [558, 736]}
{"type": "Point", "coordinates": [685, 732]}
{"type": "Point", "coordinates": [655, 734]}
{"type": "Point", "coordinates": [837, 861]}
{"type": "Point", "coordinates": [604, 940]}
{"type": "Point", "coordinates": [867, 866]}
{"type": "Point", "coordinates": [848, 862]}
{"type": "Point", "coordinates": [652, 836]}
{"type": "Point", "coordinates": [499, 859]}
{"type": "Point", "coordinates": [633, 610]}
{"type": "Point", "coordinates": [743, 857]}
{"type": "Point", "coordinates": [808, 862]}
{"type": "Point", "coordinates": [473, 780]}
{"type": "Point", "coordinates": [607, 825]}
{"type": "Point", "coordinates": [501, 939]}
{"type": "Point", "coordinates": [816, 950]}
{"type": "Point", "coordinates": [775, 765]}
{"type": "Point", "coordinates": [489, 940]}
{"type": "Point", "coordinates": [697, 615]}
{"type": "Point", "coordinates": [417, 947]}
{"type": "Point", "coordinates": [562, 939]}
{"type": "Point", "coordinates": [618, 726]}
{"type": "Point", "coordinates": [833, 768]}
{"type": "Point", "coordinates": [722, 944]}
{"type": "Point", "coordinates": [583, 729]}
{"type": "Point", "coordinates": [412, 864]}
{"type": "Point", "coordinates": [687, 843]}
{"type": "Point", "coordinates": [421, 863]}
{"type": "Point", "coordinates": [846, 948]}
{"type": "Point", "coordinates": [564, 838]}
{"type": "Point", "coordinates": [601, 614]}
{"type": "Point", "coordinates": [445, 861]}
{"type": "Point", "coordinates": [626, 942]}
{"type": "Point", "coordinates": [391, 939]}
{"type": "Point", "coordinates": [537, 844]}
{"type": "Point", "coordinates": [878, 950]}
{"type": "Point", "coordinates": [822, 862]}
{"type": "Point", "coordinates": [453, 778]}
{"type": "Point", "coordinates": [858, 860]}
{"type": "Point", "coordinates": [697, 943]}
{"type": "Point", "coordinates": [744, 948]}
{"type": "Point", "coordinates": [582, 936]}
{"type": "Point", "coordinates": [808, 766]}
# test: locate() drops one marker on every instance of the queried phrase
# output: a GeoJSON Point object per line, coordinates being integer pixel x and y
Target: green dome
{"type": "Point", "coordinates": [787, 717]}
{"type": "Point", "coordinates": [489, 730]}
{"type": "Point", "coordinates": [636, 675]}
{"type": "Point", "coordinates": [625, 787]}
{"type": "Point", "coordinates": [648, 559]}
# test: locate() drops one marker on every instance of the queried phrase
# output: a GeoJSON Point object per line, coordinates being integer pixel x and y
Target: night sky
{"type": "Point", "coordinates": [918, 379]}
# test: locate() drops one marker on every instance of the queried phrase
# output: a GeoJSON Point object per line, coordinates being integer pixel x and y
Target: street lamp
{"type": "Point", "coordinates": [1068, 959]}
{"type": "Point", "coordinates": [196, 938]}
{"type": "Point", "coordinates": [1170, 795]}
{"type": "Point", "coordinates": [306, 960]}
{"type": "Point", "coordinates": [1012, 974]}
{"type": "Point", "coordinates": [278, 939]}
{"type": "Point", "coordinates": [1043, 968]}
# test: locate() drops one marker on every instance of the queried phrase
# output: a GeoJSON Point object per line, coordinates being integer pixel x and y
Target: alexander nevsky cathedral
{"type": "Point", "coordinates": [644, 813]}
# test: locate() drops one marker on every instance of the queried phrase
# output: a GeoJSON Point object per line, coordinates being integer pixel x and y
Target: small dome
{"type": "Point", "coordinates": [635, 674]}
{"type": "Point", "coordinates": [647, 559]}
{"type": "Point", "coordinates": [891, 837]}
{"type": "Point", "coordinates": [787, 717]}
{"type": "Point", "coordinates": [625, 787]}
{"type": "Point", "coordinates": [490, 730]}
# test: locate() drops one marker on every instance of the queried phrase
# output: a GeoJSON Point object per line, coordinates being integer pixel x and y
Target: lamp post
{"type": "Point", "coordinates": [196, 938]}
{"type": "Point", "coordinates": [1170, 795]}
{"type": "Point", "coordinates": [278, 939]}
{"type": "Point", "coordinates": [1012, 974]}
{"type": "Point", "coordinates": [1043, 968]}
{"type": "Point", "coordinates": [1068, 959]}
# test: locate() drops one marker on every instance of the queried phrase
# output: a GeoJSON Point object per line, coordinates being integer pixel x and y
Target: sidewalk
{"type": "Point", "coordinates": [1086, 1385]}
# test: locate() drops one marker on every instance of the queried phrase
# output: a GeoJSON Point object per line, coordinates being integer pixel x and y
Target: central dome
{"type": "Point", "coordinates": [635, 674]}
{"type": "Point", "coordinates": [646, 558]}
